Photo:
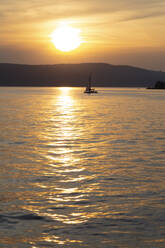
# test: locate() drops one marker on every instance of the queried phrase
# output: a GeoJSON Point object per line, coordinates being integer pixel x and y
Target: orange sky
{"type": "Point", "coordinates": [118, 32]}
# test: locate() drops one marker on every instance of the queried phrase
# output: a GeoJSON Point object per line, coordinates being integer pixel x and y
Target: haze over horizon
{"type": "Point", "coordinates": [120, 32]}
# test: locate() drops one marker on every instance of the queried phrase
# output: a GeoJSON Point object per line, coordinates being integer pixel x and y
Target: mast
{"type": "Point", "coordinates": [90, 80]}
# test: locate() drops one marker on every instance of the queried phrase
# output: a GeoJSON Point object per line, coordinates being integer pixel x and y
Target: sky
{"type": "Point", "coordinates": [127, 32]}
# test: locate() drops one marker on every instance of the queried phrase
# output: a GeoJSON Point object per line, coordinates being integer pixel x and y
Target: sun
{"type": "Point", "coordinates": [66, 38]}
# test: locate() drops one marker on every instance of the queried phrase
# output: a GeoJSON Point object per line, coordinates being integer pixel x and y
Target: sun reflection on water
{"type": "Point", "coordinates": [79, 170]}
{"type": "Point", "coordinates": [65, 102]}
{"type": "Point", "coordinates": [65, 163]}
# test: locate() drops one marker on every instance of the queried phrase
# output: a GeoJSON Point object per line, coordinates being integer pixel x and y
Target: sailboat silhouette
{"type": "Point", "coordinates": [88, 89]}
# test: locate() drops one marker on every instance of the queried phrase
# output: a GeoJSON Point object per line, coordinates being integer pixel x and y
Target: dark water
{"type": "Point", "coordinates": [81, 170]}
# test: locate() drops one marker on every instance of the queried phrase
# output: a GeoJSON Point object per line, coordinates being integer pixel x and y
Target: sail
{"type": "Point", "coordinates": [88, 88]}
{"type": "Point", "coordinates": [90, 80]}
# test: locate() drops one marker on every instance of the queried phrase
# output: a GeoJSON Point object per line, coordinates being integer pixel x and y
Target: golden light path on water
{"type": "Point", "coordinates": [68, 162]}
{"type": "Point", "coordinates": [65, 163]}
{"type": "Point", "coordinates": [79, 170]}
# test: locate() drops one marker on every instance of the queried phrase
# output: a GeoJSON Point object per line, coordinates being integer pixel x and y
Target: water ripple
{"type": "Point", "coordinates": [81, 171]}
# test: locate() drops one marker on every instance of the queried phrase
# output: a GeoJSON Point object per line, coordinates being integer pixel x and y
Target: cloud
{"type": "Point", "coordinates": [28, 18]}
{"type": "Point", "coordinates": [144, 15]}
{"type": "Point", "coordinates": [18, 13]}
{"type": "Point", "coordinates": [113, 23]}
{"type": "Point", "coordinates": [54, 9]}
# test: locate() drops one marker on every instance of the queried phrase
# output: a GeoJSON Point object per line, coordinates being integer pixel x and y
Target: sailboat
{"type": "Point", "coordinates": [88, 89]}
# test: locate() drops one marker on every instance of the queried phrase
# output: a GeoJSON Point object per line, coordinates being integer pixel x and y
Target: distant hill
{"type": "Point", "coordinates": [103, 75]}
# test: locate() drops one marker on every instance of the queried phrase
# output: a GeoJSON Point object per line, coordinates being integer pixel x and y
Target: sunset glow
{"type": "Point", "coordinates": [53, 32]}
{"type": "Point", "coordinates": [66, 38]}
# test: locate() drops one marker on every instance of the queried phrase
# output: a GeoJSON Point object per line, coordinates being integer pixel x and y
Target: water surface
{"type": "Point", "coordinates": [81, 170]}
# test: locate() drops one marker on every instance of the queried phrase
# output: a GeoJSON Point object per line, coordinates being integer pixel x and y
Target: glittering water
{"type": "Point", "coordinates": [81, 170]}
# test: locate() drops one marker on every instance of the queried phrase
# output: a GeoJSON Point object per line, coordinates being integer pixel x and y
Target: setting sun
{"type": "Point", "coordinates": [66, 38]}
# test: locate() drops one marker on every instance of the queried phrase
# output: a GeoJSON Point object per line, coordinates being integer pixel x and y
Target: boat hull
{"type": "Point", "coordinates": [90, 92]}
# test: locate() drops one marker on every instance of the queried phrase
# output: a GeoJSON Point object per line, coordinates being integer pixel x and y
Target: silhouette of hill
{"type": "Point", "coordinates": [103, 75]}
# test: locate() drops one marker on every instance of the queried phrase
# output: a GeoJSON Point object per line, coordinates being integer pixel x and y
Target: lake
{"type": "Point", "coordinates": [79, 170]}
